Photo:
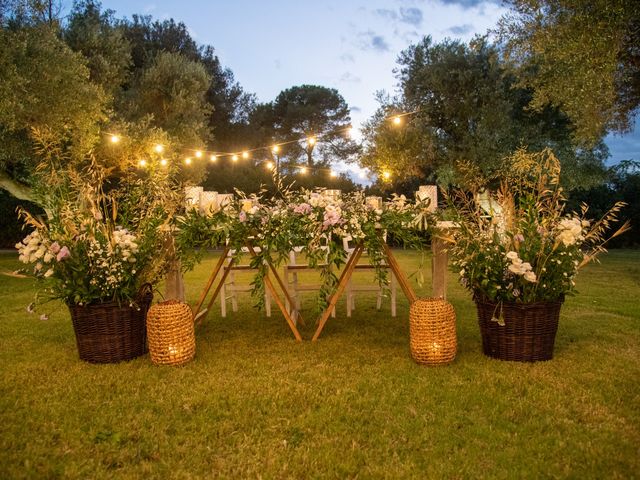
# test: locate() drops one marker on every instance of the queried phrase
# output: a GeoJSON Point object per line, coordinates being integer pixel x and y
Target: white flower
{"type": "Point", "coordinates": [530, 276]}
{"type": "Point", "coordinates": [48, 273]}
{"type": "Point", "coordinates": [512, 255]}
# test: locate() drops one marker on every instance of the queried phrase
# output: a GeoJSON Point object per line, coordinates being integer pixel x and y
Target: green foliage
{"type": "Point", "coordinates": [307, 111]}
{"type": "Point", "coordinates": [521, 245]}
{"type": "Point", "coordinates": [580, 56]}
{"type": "Point", "coordinates": [46, 90]}
{"type": "Point", "coordinates": [467, 109]}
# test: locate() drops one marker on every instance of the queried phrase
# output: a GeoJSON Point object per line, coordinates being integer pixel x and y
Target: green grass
{"type": "Point", "coordinates": [254, 403]}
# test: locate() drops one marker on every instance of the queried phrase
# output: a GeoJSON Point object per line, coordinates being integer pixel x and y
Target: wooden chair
{"type": "Point", "coordinates": [353, 288]}
{"type": "Point", "coordinates": [230, 288]}
{"type": "Point", "coordinates": [294, 284]}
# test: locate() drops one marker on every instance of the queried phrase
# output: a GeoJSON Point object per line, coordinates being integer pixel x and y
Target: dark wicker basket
{"type": "Point", "coordinates": [528, 333]}
{"type": "Point", "coordinates": [110, 332]}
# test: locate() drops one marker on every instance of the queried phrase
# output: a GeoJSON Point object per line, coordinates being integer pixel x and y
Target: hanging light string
{"type": "Point", "coordinates": [311, 140]}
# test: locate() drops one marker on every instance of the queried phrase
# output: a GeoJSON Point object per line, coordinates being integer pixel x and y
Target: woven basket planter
{"type": "Point", "coordinates": [528, 333]}
{"type": "Point", "coordinates": [111, 332]}
{"type": "Point", "coordinates": [432, 331]}
{"type": "Point", "coordinates": [171, 333]}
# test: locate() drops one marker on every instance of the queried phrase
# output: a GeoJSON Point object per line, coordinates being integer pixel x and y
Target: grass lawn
{"type": "Point", "coordinates": [255, 403]}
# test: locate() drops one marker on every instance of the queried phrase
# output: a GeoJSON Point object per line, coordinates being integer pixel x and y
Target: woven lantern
{"type": "Point", "coordinates": [432, 331]}
{"type": "Point", "coordinates": [170, 333]}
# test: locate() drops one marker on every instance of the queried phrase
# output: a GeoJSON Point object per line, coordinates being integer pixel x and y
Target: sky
{"type": "Point", "coordinates": [350, 45]}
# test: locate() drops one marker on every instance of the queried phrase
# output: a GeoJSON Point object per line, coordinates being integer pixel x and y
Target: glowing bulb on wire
{"type": "Point", "coordinates": [275, 148]}
{"type": "Point", "coordinates": [187, 161]}
{"type": "Point", "coordinates": [350, 132]}
{"type": "Point", "coordinates": [245, 154]}
{"type": "Point", "coordinates": [303, 170]}
{"type": "Point", "coordinates": [386, 175]}
{"type": "Point", "coordinates": [234, 157]}
{"type": "Point", "coordinates": [333, 173]}
{"type": "Point", "coordinates": [311, 141]}
{"type": "Point", "coordinates": [163, 162]}
{"type": "Point", "coordinates": [142, 163]}
{"type": "Point", "coordinates": [269, 165]}
{"type": "Point", "coordinates": [397, 120]}
{"type": "Point", "coordinates": [115, 138]}
{"type": "Point", "coordinates": [198, 154]}
{"type": "Point", "coordinates": [159, 148]}
{"type": "Point", "coordinates": [213, 158]}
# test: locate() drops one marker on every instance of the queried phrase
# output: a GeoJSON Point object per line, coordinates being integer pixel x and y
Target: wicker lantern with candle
{"type": "Point", "coordinates": [432, 330]}
{"type": "Point", "coordinates": [170, 333]}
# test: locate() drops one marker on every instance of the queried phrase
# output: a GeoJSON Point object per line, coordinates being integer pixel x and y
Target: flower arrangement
{"type": "Point", "coordinates": [520, 245]}
{"type": "Point", "coordinates": [315, 221]}
{"type": "Point", "coordinates": [95, 247]}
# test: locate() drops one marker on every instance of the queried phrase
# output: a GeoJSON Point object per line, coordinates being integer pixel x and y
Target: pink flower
{"type": "Point", "coordinates": [55, 247]}
{"type": "Point", "coordinates": [519, 237]}
{"type": "Point", "coordinates": [243, 216]}
{"type": "Point", "coordinates": [63, 253]}
{"type": "Point", "coordinates": [303, 208]}
{"type": "Point", "coordinates": [331, 217]}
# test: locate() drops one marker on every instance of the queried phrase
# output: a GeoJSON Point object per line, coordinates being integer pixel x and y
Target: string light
{"type": "Point", "coordinates": [269, 165]}
{"type": "Point", "coordinates": [311, 140]}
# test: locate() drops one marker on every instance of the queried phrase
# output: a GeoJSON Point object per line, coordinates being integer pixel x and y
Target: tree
{"type": "Point", "coordinates": [45, 96]}
{"type": "Point", "coordinates": [581, 56]}
{"type": "Point", "coordinates": [465, 108]}
{"type": "Point", "coordinates": [315, 112]}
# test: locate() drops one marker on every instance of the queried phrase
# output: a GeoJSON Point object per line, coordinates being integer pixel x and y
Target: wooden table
{"type": "Point", "coordinates": [438, 270]}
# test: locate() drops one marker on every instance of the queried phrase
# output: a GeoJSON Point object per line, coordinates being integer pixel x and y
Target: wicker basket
{"type": "Point", "coordinates": [528, 333]}
{"type": "Point", "coordinates": [432, 331]}
{"type": "Point", "coordinates": [171, 333]}
{"type": "Point", "coordinates": [111, 332]}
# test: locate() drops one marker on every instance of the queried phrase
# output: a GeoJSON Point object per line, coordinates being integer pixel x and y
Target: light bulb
{"type": "Point", "coordinates": [187, 161]}
{"type": "Point", "coordinates": [303, 170]}
{"type": "Point", "coordinates": [198, 154]}
{"type": "Point", "coordinates": [234, 157]}
{"type": "Point", "coordinates": [333, 173]}
{"type": "Point", "coordinates": [213, 158]}
{"type": "Point", "coordinates": [142, 163]}
{"type": "Point", "coordinates": [163, 162]}
{"type": "Point", "coordinates": [311, 141]}
{"type": "Point", "coordinates": [115, 138]}
{"type": "Point", "coordinates": [386, 175]}
{"type": "Point", "coordinates": [158, 148]}
{"type": "Point", "coordinates": [269, 165]}
{"type": "Point", "coordinates": [245, 154]}
{"type": "Point", "coordinates": [397, 120]}
{"type": "Point", "coordinates": [275, 148]}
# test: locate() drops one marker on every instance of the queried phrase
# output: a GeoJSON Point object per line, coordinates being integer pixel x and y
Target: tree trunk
{"type": "Point", "coordinates": [15, 188]}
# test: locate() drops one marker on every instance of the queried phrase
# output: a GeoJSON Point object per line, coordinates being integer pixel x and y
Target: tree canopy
{"type": "Point", "coordinates": [581, 56]}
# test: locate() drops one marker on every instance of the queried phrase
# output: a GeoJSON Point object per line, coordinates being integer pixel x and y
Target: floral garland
{"type": "Point", "coordinates": [313, 222]}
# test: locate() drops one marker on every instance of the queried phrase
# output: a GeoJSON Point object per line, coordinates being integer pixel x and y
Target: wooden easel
{"type": "Point", "coordinates": [346, 276]}
{"type": "Point", "coordinates": [200, 315]}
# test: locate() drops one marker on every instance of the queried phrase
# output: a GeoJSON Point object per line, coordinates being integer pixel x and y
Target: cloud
{"type": "Point", "coordinates": [348, 77]}
{"type": "Point", "coordinates": [347, 58]}
{"type": "Point", "coordinates": [355, 109]}
{"type": "Point", "coordinates": [461, 29]}
{"type": "Point", "coordinates": [370, 40]}
{"type": "Point", "coordinates": [386, 13]}
{"type": "Point", "coordinates": [412, 16]}
{"type": "Point", "coordinates": [468, 3]}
